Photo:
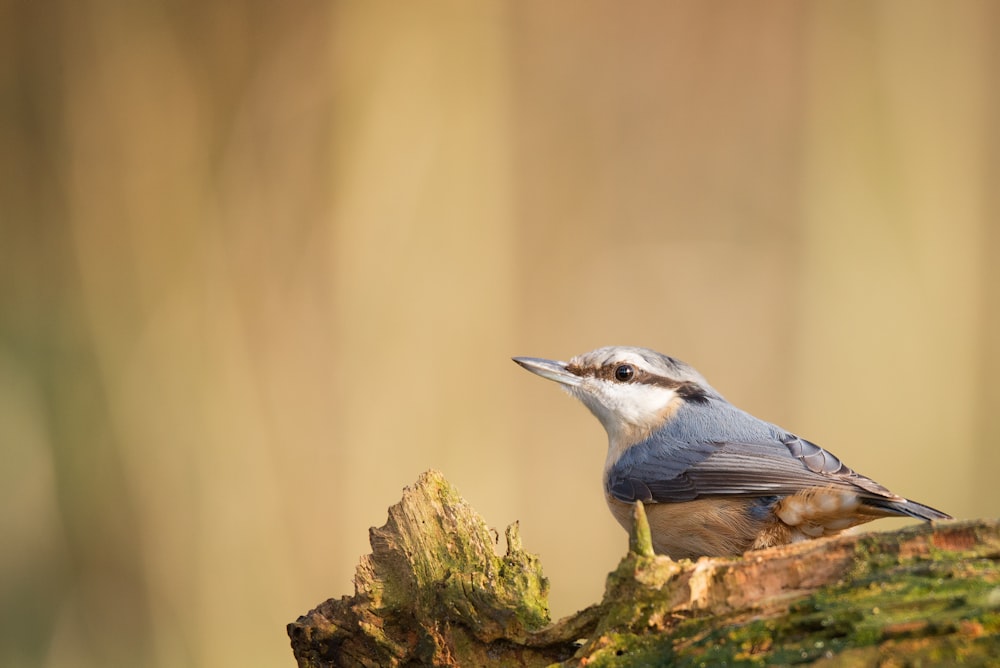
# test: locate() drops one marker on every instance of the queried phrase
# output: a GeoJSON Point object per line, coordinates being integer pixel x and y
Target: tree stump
{"type": "Point", "coordinates": [434, 591]}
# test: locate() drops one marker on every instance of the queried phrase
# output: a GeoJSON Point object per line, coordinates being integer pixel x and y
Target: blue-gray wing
{"type": "Point", "coordinates": [734, 454]}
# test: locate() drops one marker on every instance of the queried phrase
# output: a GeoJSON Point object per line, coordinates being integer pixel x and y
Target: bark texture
{"type": "Point", "coordinates": [434, 591]}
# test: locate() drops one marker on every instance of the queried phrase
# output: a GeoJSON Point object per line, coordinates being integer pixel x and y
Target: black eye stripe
{"type": "Point", "coordinates": [618, 372]}
{"type": "Point", "coordinates": [686, 389]}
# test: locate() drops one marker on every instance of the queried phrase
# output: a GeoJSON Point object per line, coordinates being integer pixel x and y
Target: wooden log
{"type": "Point", "coordinates": [434, 591]}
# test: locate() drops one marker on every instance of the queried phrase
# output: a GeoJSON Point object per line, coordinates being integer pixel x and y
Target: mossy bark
{"type": "Point", "coordinates": [435, 592]}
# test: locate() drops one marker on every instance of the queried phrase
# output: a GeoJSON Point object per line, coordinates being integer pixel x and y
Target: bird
{"type": "Point", "coordinates": [715, 480]}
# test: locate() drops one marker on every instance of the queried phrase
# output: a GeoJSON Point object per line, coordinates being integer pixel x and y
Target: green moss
{"type": "Point", "coordinates": [941, 596]}
{"type": "Point", "coordinates": [631, 650]}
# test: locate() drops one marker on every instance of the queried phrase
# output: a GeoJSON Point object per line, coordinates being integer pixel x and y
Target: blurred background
{"type": "Point", "coordinates": [262, 264]}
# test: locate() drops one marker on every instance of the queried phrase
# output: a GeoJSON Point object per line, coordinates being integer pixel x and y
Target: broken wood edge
{"type": "Point", "coordinates": [434, 590]}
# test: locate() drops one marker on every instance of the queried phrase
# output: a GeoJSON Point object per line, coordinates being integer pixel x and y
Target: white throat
{"type": "Point", "coordinates": [629, 412]}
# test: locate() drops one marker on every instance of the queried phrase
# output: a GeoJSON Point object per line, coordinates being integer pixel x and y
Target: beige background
{"type": "Point", "coordinates": [263, 263]}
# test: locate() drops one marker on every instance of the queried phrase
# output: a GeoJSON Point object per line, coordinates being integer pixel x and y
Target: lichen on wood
{"type": "Point", "coordinates": [435, 592]}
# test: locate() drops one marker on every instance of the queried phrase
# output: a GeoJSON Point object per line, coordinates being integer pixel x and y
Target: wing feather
{"type": "Point", "coordinates": [759, 460]}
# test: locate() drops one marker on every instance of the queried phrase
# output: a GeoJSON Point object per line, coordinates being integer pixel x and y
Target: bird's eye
{"type": "Point", "coordinates": [624, 373]}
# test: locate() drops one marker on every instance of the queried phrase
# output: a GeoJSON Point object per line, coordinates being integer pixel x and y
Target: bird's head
{"type": "Point", "coordinates": [632, 391]}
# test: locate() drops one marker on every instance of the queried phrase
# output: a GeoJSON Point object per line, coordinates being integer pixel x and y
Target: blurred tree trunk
{"type": "Point", "coordinates": [435, 592]}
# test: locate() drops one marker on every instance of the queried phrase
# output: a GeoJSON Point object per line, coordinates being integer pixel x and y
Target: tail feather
{"type": "Point", "coordinates": [908, 508]}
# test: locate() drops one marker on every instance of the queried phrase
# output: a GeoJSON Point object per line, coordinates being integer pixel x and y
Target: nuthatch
{"type": "Point", "coordinates": [715, 480]}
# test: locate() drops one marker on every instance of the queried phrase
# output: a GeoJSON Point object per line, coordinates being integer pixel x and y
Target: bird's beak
{"type": "Point", "coordinates": [549, 369]}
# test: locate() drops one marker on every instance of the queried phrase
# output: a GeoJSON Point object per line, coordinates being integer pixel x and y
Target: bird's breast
{"type": "Point", "coordinates": [721, 526]}
{"type": "Point", "coordinates": [710, 526]}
